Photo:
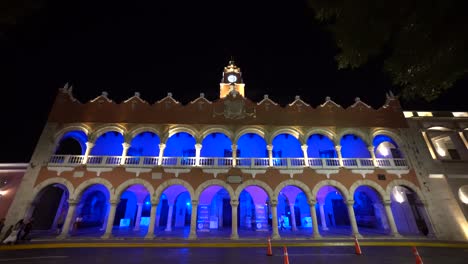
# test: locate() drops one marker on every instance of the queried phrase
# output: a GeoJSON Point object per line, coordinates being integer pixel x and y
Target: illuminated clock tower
{"type": "Point", "coordinates": [232, 80]}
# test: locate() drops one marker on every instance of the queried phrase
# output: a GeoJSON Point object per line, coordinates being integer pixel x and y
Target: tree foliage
{"type": "Point", "coordinates": [424, 42]}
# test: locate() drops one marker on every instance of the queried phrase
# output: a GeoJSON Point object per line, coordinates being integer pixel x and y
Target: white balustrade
{"type": "Point", "coordinates": [215, 162]}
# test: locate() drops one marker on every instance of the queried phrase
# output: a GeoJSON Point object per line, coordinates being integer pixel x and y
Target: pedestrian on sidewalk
{"type": "Point", "coordinates": [27, 229]}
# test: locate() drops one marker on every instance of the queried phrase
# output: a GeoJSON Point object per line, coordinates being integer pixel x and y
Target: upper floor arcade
{"type": "Point", "coordinates": [223, 146]}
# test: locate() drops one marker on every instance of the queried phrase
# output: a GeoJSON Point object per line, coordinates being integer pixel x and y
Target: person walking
{"type": "Point", "coordinates": [281, 222]}
{"type": "Point", "coordinates": [27, 229]}
{"type": "Point", "coordinates": [13, 236]}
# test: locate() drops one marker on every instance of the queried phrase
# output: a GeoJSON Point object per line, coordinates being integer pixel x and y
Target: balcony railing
{"type": "Point", "coordinates": [315, 163]}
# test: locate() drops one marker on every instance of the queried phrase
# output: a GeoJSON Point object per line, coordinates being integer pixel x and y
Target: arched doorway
{"type": "Point", "coordinates": [91, 212]}
{"type": "Point", "coordinates": [370, 213]}
{"type": "Point", "coordinates": [214, 212]}
{"type": "Point", "coordinates": [174, 211]}
{"type": "Point", "coordinates": [294, 213]}
{"type": "Point", "coordinates": [216, 145]}
{"type": "Point", "coordinates": [409, 213]}
{"type": "Point", "coordinates": [251, 151]}
{"type": "Point", "coordinates": [253, 212]}
{"type": "Point", "coordinates": [132, 214]}
{"type": "Point", "coordinates": [332, 212]}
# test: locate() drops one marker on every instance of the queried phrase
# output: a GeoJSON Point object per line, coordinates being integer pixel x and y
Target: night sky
{"type": "Point", "coordinates": [179, 47]}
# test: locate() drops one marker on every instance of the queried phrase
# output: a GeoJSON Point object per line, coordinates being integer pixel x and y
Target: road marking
{"type": "Point", "coordinates": [29, 258]}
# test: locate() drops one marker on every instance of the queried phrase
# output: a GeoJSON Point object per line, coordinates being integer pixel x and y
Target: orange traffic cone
{"type": "Point", "coordinates": [356, 246]}
{"type": "Point", "coordinates": [416, 254]}
{"type": "Point", "coordinates": [286, 257]}
{"type": "Point", "coordinates": [269, 251]}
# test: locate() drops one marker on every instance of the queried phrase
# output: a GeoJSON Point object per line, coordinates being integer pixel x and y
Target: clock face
{"type": "Point", "coordinates": [232, 78]}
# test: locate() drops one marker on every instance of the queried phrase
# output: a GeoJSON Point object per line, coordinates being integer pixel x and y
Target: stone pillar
{"type": "Point", "coordinates": [138, 216]}
{"type": "Point", "coordinates": [372, 153]}
{"type": "Point", "coordinates": [234, 234]}
{"type": "Point", "coordinates": [193, 221]}
{"type": "Point", "coordinates": [30, 211]}
{"type": "Point", "coordinates": [352, 218]}
{"type": "Point", "coordinates": [154, 206]}
{"type": "Point", "coordinates": [125, 146]}
{"type": "Point", "coordinates": [104, 223]}
{"type": "Point", "coordinates": [313, 214]}
{"type": "Point", "coordinates": [338, 153]}
{"type": "Point", "coordinates": [89, 147]}
{"type": "Point", "coordinates": [270, 155]}
{"type": "Point", "coordinates": [63, 200]}
{"type": "Point", "coordinates": [234, 154]}
{"type": "Point", "coordinates": [306, 156]}
{"type": "Point", "coordinates": [70, 214]}
{"type": "Point", "coordinates": [169, 218]}
{"type": "Point", "coordinates": [110, 220]}
{"type": "Point", "coordinates": [323, 217]}
{"type": "Point", "coordinates": [162, 146]}
{"type": "Point", "coordinates": [293, 218]}
{"type": "Point", "coordinates": [274, 215]}
{"type": "Point", "coordinates": [390, 218]}
{"type": "Point", "coordinates": [198, 148]}
{"type": "Point", "coordinates": [429, 145]}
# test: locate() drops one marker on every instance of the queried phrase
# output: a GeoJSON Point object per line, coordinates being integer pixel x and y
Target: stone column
{"type": "Point", "coordinates": [30, 211]}
{"type": "Point", "coordinates": [89, 147]}
{"type": "Point", "coordinates": [198, 148]}
{"type": "Point", "coordinates": [193, 221]}
{"type": "Point", "coordinates": [352, 218]}
{"type": "Point", "coordinates": [390, 218]}
{"type": "Point", "coordinates": [110, 220]}
{"type": "Point", "coordinates": [162, 146]}
{"type": "Point", "coordinates": [125, 146]}
{"type": "Point", "coordinates": [63, 200]}
{"type": "Point", "coordinates": [138, 216]}
{"type": "Point", "coordinates": [338, 153]}
{"type": "Point", "coordinates": [306, 157]}
{"type": "Point", "coordinates": [70, 214]}
{"type": "Point", "coordinates": [234, 154]}
{"type": "Point", "coordinates": [104, 223]}
{"type": "Point", "coordinates": [234, 234]}
{"type": "Point", "coordinates": [154, 206]}
{"type": "Point", "coordinates": [372, 152]}
{"type": "Point", "coordinates": [169, 218]}
{"type": "Point", "coordinates": [293, 218]}
{"type": "Point", "coordinates": [313, 214]}
{"type": "Point", "coordinates": [270, 155]}
{"type": "Point", "coordinates": [323, 217]}
{"type": "Point", "coordinates": [274, 215]}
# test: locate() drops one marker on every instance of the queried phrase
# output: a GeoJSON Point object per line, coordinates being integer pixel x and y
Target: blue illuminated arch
{"type": "Point", "coordinates": [181, 144]}
{"type": "Point", "coordinates": [251, 145]}
{"type": "Point", "coordinates": [353, 146]}
{"type": "Point", "coordinates": [216, 145]}
{"type": "Point", "coordinates": [286, 146]}
{"type": "Point", "coordinates": [144, 144]}
{"type": "Point", "coordinates": [69, 139]}
{"type": "Point", "coordinates": [320, 146]}
{"type": "Point", "coordinates": [108, 144]}
{"type": "Point", "coordinates": [392, 150]}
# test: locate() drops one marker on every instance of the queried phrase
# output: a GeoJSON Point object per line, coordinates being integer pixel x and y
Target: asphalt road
{"type": "Point", "coordinates": [380, 255]}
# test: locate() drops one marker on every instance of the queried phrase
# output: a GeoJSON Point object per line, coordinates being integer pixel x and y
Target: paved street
{"type": "Point", "coordinates": [381, 255]}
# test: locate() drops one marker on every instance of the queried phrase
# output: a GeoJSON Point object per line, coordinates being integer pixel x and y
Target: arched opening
{"type": "Point", "coordinates": [72, 143]}
{"type": "Point", "coordinates": [294, 213]}
{"type": "Point", "coordinates": [320, 146]}
{"type": "Point", "coordinates": [174, 211]}
{"type": "Point", "coordinates": [386, 148]}
{"type": "Point", "coordinates": [332, 212]}
{"type": "Point", "coordinates": [180, 145]}
{"type": "Point", "coordinates": [409, 213]}
{"type": "Point", "coordinates": [286, 146]}
{"type": "Point", "coordinates": [49, 211]}
{"type": "Point", "coordinates": [132, 214]}
{"type": "Point", "coordinates": [353, 146]}
{"type": "Point", "coordinates": [216, 145]}
{"type": "Point", "coordinates": [370, 213]}
{"type": "Point", "coordinates": [91, 212]}
{"type": "Point", "coordinates": [108, 144]}
{"type": "Point", "coordinates": [144, 144]}
{"type": "Point", "coordinates": [253, 212]}
{"type": "Point", "coordinates": [214, 212]}
{"type": "Point", "coordinates": [249, 146]}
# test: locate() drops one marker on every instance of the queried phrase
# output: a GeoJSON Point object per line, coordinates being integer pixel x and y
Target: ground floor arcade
{"type": "Point", "coordinates": [174, 209]}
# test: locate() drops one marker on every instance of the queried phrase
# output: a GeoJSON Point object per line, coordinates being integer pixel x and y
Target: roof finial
{"type": "Point", "coordinates": [231, 62]}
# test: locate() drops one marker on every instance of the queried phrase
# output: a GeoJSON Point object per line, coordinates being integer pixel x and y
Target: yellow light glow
{"type": "Point", "coordinates": [463, 194]}
{"type": "Point", "coordinates": [3, 193]}
{"type": "Point", "coordinates": [441, 151]}
{"type": "Point", "coordinates": [384, 150]}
